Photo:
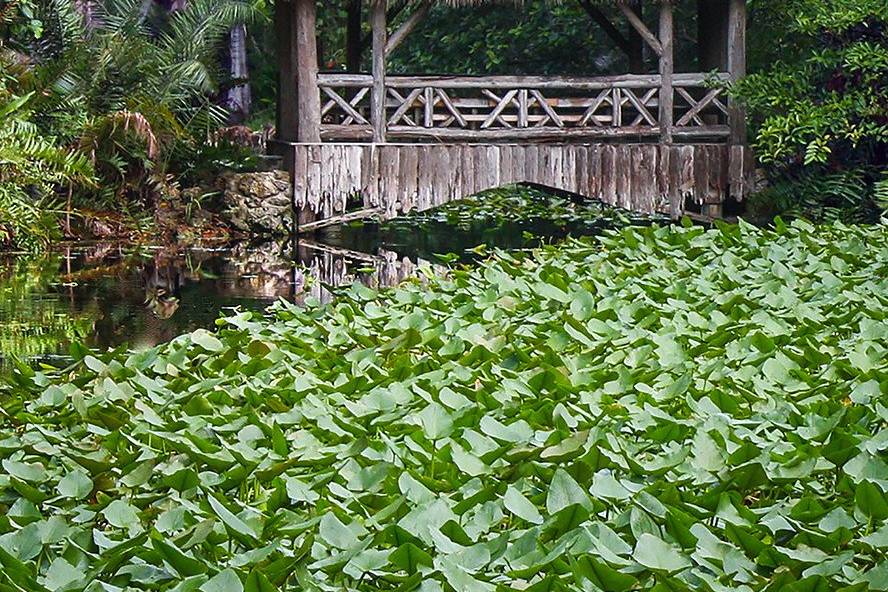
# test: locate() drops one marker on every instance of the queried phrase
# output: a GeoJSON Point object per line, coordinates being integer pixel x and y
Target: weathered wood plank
{"type": "Point", "coordinates": [623, 165]}
{"type": "Point", "coordinates": [581, 169]}
{"type": "Point", "coordinates": [467, 170]}
{"type": "Point", "coordinates": [493, 169]}
{"type": "Point", "coordinates": [701, 175]}
{"type": "Point", "coordinates": [407, 169]}
{"type": "Point", "coordinates": [399, 177]}
{"type": "Point", "coordinates": [308, 98]}
{"type": "Point", "coordinates": [593, 184]}
{"type": "Point", "coordinates": [441, 178]}
{"type": "Point", "coordinates": [609, 174]}
{"type": "Point", "coordinates": [300, 175]}
{"type": "Point", "coordinates": [344, 79]}
{"type": "Point", "coordinates": [424, 178]}
{"type": "Point", "coordinates": [519, 164]}
{"type": "Point", "coordinates": [645, 184]}
{"type": "Point", "coordinates": [369, 175]}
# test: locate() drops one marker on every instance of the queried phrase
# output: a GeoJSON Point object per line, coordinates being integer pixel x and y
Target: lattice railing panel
{"type": "Point", "coordinates": [520, 108]}
{"type": "Point", "coordinates": [345, 105]}
{"type": "Point", "coordinates": [466, 108]}
{"type": "Point", "coordinates": [700, 105]}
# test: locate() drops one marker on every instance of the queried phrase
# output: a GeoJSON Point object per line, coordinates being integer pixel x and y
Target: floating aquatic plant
{"type": "Point", "coordinates": [662, 408]}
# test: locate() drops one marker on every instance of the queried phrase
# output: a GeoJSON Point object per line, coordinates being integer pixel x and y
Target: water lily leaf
{"type": "Point", "coordinates": [436, 421]}
{"type": "Point", "coordinates": [871, 500]}
{"type": "Point", "coordinates": [563, 492]}
{"type": "Point", "coordinates": [655, 553]}
{"type": "Point", "coordinates": [602, 575]}
{"type": "Point", "coordinates": [76, 485]}
{"type": "Point", "coordinates": [515, 502]}
{"type": "Point", "coordinates": [335, 533]}
{"type": "Point", "coordinates": [257, 582]}
{"type": "Point", "coordinates": [224, 581]}
{"type": "Point", "coordinates": [24, 544]}
{"type": "Point", "coordinates": [208, 341]}
{"type": "Point", "coordinates": [234, 524]}
{"type": "Point", "coordinates": [864, 392]}
{"type": "Point", "coordinates": [184, 564]}
{"type": "Point", "coordinates": [121, 514]}
{"type": "Point", "coordinates": [605, 485]}
{"type": "Point", "coordinates": [409, 557]}
{"type": "Point", "coordinates": [61, 574]}
{"type": "Point", "coordinates": [582, 305]}
{"type": "Point", "coordinates": [24, 471]}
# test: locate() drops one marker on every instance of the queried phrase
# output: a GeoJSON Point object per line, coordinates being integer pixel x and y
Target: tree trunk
{"type": "Point", "coordinates": [239, 96]}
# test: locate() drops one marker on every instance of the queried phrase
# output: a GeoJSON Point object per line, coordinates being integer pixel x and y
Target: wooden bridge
{"type": "Point", "coordinates": [667, 141]}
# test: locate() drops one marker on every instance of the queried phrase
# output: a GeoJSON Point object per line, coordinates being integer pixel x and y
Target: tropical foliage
{"type": "Point", "coordinates": [662, 409]}
{"type": "Point", "coordinates": [31, 167]}
{"type": "Point", "coordinates": [124, 84]}
{"type": "Point", "coordinates": [821, 114]}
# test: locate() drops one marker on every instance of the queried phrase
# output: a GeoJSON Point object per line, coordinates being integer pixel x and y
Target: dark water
{"type": "Point", "coordinates": [108, 295]}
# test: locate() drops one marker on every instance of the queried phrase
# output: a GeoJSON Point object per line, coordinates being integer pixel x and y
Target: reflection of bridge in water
{"type": "Point", "coordinates": [665, 138]}
{"type": "Point", "coordinates": [328, 267]}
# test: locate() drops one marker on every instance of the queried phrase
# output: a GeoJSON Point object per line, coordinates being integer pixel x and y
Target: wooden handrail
{"type": "Point", "coordinates": [345, 80]}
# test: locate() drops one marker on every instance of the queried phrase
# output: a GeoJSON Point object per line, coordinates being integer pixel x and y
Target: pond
{"type": "Point", "coordinates": [108, 295]}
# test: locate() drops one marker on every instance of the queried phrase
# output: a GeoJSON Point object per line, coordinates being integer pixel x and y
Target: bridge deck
{"type": "Point", "coordinates": [396, 178]}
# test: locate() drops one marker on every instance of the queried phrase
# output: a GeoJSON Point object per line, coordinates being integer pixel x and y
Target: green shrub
{"type": "Point", "coordinates": [31, 166]}
{"type": "Point", "coordinates": [821, 115]}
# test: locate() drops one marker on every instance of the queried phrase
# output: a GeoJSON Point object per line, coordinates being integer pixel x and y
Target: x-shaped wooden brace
{"type": "Point", "coordinates": [696, 107]}
{"type": "Point", "coordinates": [348, 107]}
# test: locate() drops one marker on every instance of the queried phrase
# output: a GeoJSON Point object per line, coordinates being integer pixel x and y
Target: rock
{"type": "Point", "coordinates": [258, 203]}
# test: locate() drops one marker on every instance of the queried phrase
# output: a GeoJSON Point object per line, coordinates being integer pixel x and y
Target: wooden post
{"type": "Point", "coordinates": [287, 122]}
{"type": "Point", "coordinates": [377, 99]}
{"type": "Point", "coordinates": [667, 68]}
{"type": "Point", "coordinates": [309, 97]}
{"type": "Point", "coordinates": [737, 65]}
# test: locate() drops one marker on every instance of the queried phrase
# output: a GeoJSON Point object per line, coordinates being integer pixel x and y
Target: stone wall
{"type": "Point", "coordinates": [258, 203]}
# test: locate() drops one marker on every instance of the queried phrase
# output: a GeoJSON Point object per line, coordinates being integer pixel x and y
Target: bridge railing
{"type": "Point", "coordinates": [529, 108]}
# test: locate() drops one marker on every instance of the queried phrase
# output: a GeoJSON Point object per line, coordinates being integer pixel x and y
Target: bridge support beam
{"type": "Point", "coordinates": [667, 69]}
{"type": "Point", "coordinates": [737, 65]}
{"type": "Point", "coordinates": [377, 99]}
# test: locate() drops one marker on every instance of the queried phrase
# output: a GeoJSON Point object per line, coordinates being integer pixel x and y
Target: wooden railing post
{"type": "Point", "coordinates": [308, 97]}
{"type": "Point", "coordinates": [377, 99]}
{"type": "Point", "coordinates": [667, 69]}
{"type": "Point", "coordinates": [737, 66]}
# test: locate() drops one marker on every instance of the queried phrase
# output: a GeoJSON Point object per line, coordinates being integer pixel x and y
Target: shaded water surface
{"type": "Point", "coordinates": [106, 295]}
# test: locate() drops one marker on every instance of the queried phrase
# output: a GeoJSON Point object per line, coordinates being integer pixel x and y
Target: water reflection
{"type": "Point", "coordinates": [107, 295]}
